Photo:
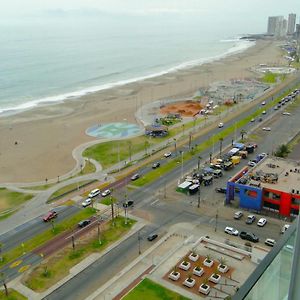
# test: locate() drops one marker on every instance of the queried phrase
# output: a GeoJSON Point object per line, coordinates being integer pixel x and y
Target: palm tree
{"type": "Point", "coordinates": [221, 145]}
{"type": "Point", "coordinates": [243, 132]}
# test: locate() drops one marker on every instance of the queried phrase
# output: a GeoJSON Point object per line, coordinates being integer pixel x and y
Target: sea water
{"type": "Point", "coordinates": [55, 59]}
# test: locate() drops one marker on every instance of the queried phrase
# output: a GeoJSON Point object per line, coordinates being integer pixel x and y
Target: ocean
{"type": "Point", "coordinates": [56, 59]}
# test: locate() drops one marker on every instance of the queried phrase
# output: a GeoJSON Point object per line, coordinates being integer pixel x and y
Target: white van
{"type": "Point", "coordinates": [94, 193]}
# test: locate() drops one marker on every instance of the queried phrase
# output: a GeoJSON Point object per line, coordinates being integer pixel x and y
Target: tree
{"type": "Point", "coordinates": [3, 279]}
{"type": "Point", "coordinates": [243, 132]}
{"type": "Point", "coordinates": [147, 144]}
{"type": "Point", "coordinates": [282, 151]}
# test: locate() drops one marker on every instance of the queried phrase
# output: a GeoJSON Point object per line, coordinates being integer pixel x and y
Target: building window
{"type": "Point", "coordinates": [295, 201]}
{"type": "Point", "coordinates": [271, 205]}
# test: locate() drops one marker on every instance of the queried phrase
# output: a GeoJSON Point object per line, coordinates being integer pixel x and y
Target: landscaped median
{"type": "Point", "coordinates": [11, 201]}
{"type": "Point", "coordinates": [12, 295]}
{"type": "Point", "coordinates": [58, 265]}
{"type": "Point", "coordinates": [40, 239]}
{"type": "Point", "coordinates": [147, 289]}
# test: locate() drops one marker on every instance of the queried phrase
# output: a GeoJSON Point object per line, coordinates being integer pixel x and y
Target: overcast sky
{"type": "Point", "coordinates": [246, 7]}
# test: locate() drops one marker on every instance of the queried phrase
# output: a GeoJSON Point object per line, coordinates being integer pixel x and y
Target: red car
{"type": "Point", "coordinates": [50, 215]}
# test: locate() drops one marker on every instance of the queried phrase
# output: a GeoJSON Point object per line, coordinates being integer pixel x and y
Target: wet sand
{"type": "Point", "coordinates": [47, 135]}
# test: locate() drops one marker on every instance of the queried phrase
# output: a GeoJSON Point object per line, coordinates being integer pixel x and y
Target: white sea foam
{"type": "Point", "coordinates": [240, 46]}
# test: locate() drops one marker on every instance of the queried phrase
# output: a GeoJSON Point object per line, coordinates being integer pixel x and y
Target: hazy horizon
{"type": "Point", "coordinates": [246, 14]}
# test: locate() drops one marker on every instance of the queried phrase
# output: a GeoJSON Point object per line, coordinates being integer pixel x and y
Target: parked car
{"type": "Point", "coordinates": [252, 120]}
{"type": "Point", "coordinates": [50, 215]}
{"type": "Point", "coordinates": [168, 154]}
{"type": "Point", "coordinates": [238, 215]}
{"type": "Point", "coordinates": [221, 190]}
{"type": "Point", "coordinates": [135, 176]}
{"type": "Point", "coordinates": [249, 236]}
{"type": "Point", "coordinates": [266, 128]}
{"type": "Point", "coordinates": [250, 219]}
{"type": "Point", "coordinates": [231, 231]}
{"type": "Point", "coordinates": [221, 125]}
{"type": "Point", "coordinates": [86, 202]}
{"type": "Point", "coordinates": [84, 223]}
{"type": "Point", "coordinates": [105, 193]}
{"type": "Point", "coordinates": [152, 237]}
{"type": "Point", "coordinates": [156, 165]}
{"type": "Point", "coordinates": [276, 107]}
{"type": "Point", "coordinates": [264, 112]}
{"type": "Point", "coordinates": [251, 164]}
{"type": "Point", "coordinates": [270, 242]}
{"type": "Point", "coordinates": [262, 222]}
{"type": "Point", "coordinates": [94, 193]}
{"type": "Point", "coordinates": [263, 103]}
{"type": "Point", "coordinates": [128, 203]}
{"type": "Point", "coordinates": [260, 120]}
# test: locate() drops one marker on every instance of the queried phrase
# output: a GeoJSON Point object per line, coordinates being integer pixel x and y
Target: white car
{"type": "Point", "coordinates": [285, 113]}
{"type": "Point", "coordinates": [221, 125]}
{"type": "Point", "coordinates": [264, 112]}
{"type": "Point", "coordinates": [263, 103]}
{"type": "Point", "coordinates": [105, 193]}
{"type": "Point", "coordinates": [251, 164]}
{"type": "Point", "coordinates": [231, 231]}
{"type": "Point", "coordinates": [86, 202]}
{"type": "Point", "coordinates": [262, 222]}
{"type": "Point", "coordinates": [270, 242]}
{"type": "Point", "coordinates": [252, 120]}
{"type": "Point", "coordinates": [168, 154]}
{"type": "Point", "coordinates": [266, 129]}
{"type": "Point", "coordinates": [94, 193]}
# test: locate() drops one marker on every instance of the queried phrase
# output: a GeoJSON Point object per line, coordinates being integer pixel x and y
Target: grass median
{"type": "Point", "coordinates": [149, 290]}
{"type": "Point", "coordinates": [12, 295]}
{"type": "Point", "coordinates": [10, 201]}
{"type": "Point", "coordinates": [47, 235]}
{"type": "Point", "coordinates": [58, 266]}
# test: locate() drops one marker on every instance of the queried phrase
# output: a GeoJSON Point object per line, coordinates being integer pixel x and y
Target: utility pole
{"type": "Point", "coordinates": [216, 225]}
{"type": "Point", "coordinates": [190, 140]}
{"type": "Point", "coordinates": [73, 241]}
{"type": "Point", "coordinates": [198, 166]}
{"type": "Point", "coordinates": [112, 211]}
{"type": "Point", "coordinates": [139, 241]}
{"type": "Point", "coordinates": [210, 157]}
{"type": "Point", "coordinates": [181, 164]}
{"type": "Point", "coordinates": [99, 232]}
{"type": "Point", "coordinates": [199, 196]}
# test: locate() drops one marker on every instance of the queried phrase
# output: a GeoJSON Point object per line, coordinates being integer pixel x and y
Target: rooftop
{"type": "Point", "coordinates": [276, 173]}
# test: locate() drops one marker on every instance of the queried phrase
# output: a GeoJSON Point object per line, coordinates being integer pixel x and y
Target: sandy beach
{"type": "Point", "coordinates": [47, 135]}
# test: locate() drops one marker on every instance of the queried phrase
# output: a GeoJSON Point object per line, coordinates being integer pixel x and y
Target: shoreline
{"type": "Point", "coordinates": [47, 135]}
{"type": "Point", "coordinates": [239, 47]}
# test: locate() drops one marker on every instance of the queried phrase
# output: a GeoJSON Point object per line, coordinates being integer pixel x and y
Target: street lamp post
{"type": "Point", "coordinates": [216, 225]}
{"type": "Point", "coordinates": [181, 164]}
{"type": "Point", "coordinates": [139, 241]}
{"type": "Point", "coordinates": [175, 146]}
{"type": "Point", "coordinates": [210, 157]}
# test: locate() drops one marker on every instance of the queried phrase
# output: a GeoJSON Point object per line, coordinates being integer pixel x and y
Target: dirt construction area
{"type": "Point", "coordinates": [185, 109]}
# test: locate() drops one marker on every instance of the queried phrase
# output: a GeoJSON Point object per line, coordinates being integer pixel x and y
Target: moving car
{"type": "Point", "coordinates": [156, 165]}
{"type": "Point", "coordinates": [262, 222]}
{"type": "Point", "coordinates": [238, 215]}
{"type": "Point", "coordinates": [105, 193]}
{"type": "Point", "coordinates": [263, 103]}
{"type": "Point", "coordinates": [264, 112]}
{"type": "Point", "coordinates": [94, 193]}
{"type": "Point", "coordinates": [84, 223]}
{"type": "Point", "coordinates": [221, 125]}
{"type": "Point", "coordinates": [266, 128]}
{"type": "Point", "coordinates": [231, 231]}
{"type": "Point", "coordinates": [285, 113]}
{"type": "Point", "coordinates": [50, 215]}
{"type": "Point", "coordinates": [249, 236]}
{"type": "Point", "coordinates": [252, 120]}
{"type": "Point", "coordinates": [86, 202]}
{"type": "Point", "coordinates": [270, 242]}
{"type": "Point", "coordinates": [128, 203]}
{"type": "Point", "coordinates": [220, 190]}
{"type": "Point", "coordinates": [152, 237]}
{"type": "Point", "coordinates": [168, 154]}
{"type": "Point", "coordinates": [250, 219]}
{"type": "Point", "coordinates": [135, 176]}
